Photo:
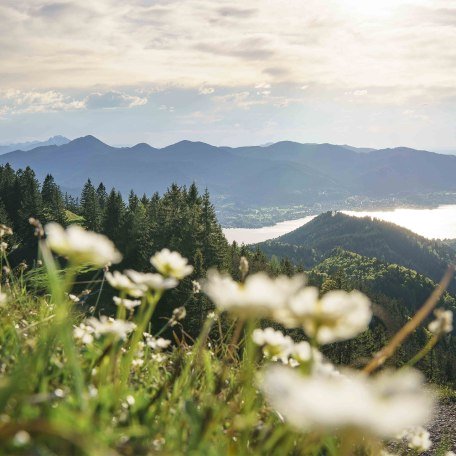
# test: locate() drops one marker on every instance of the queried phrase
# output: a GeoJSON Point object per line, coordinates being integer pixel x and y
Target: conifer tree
{"type": "Point", "coordinates": [54, 206]}
{"type": "Point", "coordinates": [102, 195]}
{"type": "Point", "coordinates": [90, 208]}
{"type": "Point", "coordinates": [113, 219]}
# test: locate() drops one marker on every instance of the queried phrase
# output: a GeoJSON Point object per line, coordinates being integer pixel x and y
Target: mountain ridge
{"type": "Point", "coordinates": [284, 173]}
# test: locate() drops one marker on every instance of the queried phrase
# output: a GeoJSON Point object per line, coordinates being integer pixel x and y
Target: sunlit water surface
{"type": "Point", "coordinates": [439, 223]}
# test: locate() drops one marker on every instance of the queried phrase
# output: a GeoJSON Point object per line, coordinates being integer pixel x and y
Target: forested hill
{"type": "Point", "coordinates": [366, 236]}
{"type": "Point", "coordinates": [396, 293]}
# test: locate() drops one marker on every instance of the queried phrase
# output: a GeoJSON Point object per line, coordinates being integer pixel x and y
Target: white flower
{"type": "Point", "coordinates": [123, 283]}
{"type": "Point", "coordinates": [196, 286]}
{"type": "Point", "coordinates": [303, 352]}
{"type": "Point", "coordinates": [81, 246]}
{"type": "Point", "coordinates": [3, 246]}
{"type": "Point", "coordinates": [380, 405]}
{"type": "Point", "coordinates": [179, 313]}
{"type": "Point", "coordinates": [151, 281]}
{"type": "Point", "coordinates": [337, 316]}
{"type": "Point", "coordinates": [156, 344]}
{"type": "Point", "coordinates": [5, 230]}
{"type": "Point", "coordinates": [259, 296]}
{"type": "Point", "coordinates": [21, 438]}
{"type": "Point", "coordinates": [450, 453]}
{"type": "Point", "coordinates": [275, 345]}
{"type": "Point", "coordinates": [129, 304]}
{"type": "Point", "coordinates": [117, 328]}
{"type": "Point", "coordinates": [73, 298]}
{"type": "Point", "coordinates": [84, 333]}
{"type": "Point", "coordinates": [171, 264]}
{"type": "Point", "coordinates": [417, 438]}
{"type": "Point", "coordinates": [443, 323]}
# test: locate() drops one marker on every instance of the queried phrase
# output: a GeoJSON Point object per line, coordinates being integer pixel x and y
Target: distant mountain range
{"type": "Point", "coordinates": [371, 238]}
{"type": "Point", "coordinates": [284, 173]}
{"type": "Point", "coordinates": [29, 145]}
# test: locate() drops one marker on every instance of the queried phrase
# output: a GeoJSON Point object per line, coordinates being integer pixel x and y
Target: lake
{"type": "Point", "coordinates": [439, 223]}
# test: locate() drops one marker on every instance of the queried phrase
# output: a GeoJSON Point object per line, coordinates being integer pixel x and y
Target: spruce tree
{"type": "Point", "coordinates": [54, 206]}
{"type": "Point", "coordinates": [90, 207]}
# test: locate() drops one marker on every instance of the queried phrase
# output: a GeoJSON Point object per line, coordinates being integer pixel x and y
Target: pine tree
{"type": "Point", "coordinates": [102, 195]}
{"type": "Point", "coordinates": [54, 206]}
{"type": "Point", "coordinates": [90, 207]}
{"type": "Point", "coordinates": [113, 219]}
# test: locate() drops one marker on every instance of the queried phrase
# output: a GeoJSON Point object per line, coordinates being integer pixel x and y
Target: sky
{"type": "Point", "coordinates": [372, 73]}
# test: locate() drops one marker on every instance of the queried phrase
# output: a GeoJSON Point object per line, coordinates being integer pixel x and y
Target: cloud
{"type": "Point", "coordinates": [26, 102]}
{"type": "Point", "coordinates": [206, 90]}
{"type": "Point", "coordinates": [16, 101]}
{"type": "Point", "coordinates": [112, 100]}
{"type": "Point", "coordinates": [402, 48]}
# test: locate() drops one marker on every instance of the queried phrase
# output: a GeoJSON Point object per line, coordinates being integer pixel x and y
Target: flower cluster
{"type": "Point", "coordinates": [81, 246]}
{"type": "Point", "coordinates": [379, 405]}
{"type": "Point", "coordinates": [443, 322]}
{"type": "Point", "coordinates": [171, 264]}
{"type": "Point", "coordinates": [259, 296]}
{"type": "Point", "coordinates": [95, 328]}
{"type": "Point", "coordinates": [336, 316]}
{"type": "Point", "coordinates": [417, 438]}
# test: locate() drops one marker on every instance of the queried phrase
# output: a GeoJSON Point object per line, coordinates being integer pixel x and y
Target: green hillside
{"type": "Point", "coordinates": [374, 238]}
{"type": "Point", "coordinates": [396, 293]}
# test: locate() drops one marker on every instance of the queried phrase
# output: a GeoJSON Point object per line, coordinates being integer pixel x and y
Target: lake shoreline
{"type": "Point", "coordinates": [432, 222]}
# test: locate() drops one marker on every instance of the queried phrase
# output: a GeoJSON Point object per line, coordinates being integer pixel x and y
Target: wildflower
{"type": "Point", "coordinates": [450, 453]}
{"type": "Point", "coordinates": [212, 316]}
{"type": "Point", "coordinates": [337, 316]}
{"type": "Point", "coordinates": [171, 264]}
{"type": "Point", "coordinates": [275, 345]}
{"type": "Point", "coordinates": [38, 232]}
{"type": "Point", "coordinates": [156, 344]}
{"type": "Point", "coordinates": [129, 304]}
{"type": "Point", "coordinates": [179, 313]}
{"type": "Point", "coordinates": [417, 438]}
{"type": "Point", "coordinates": [443, 323]}
{"type": "Point", "coordinates": [259, 296]}
{"type": "Point", "coordinates": [303, 352]}
{"type": "Point", "coordinates": [21, 438]}
{"type": "Point", "coordinates": [73, 298]}
{"type": "Point", "coordinates": [105, 325]}
{"type": "Point", "coordinates": [3, 246]}
{"type": "Point", "coordinates": [380, 405]}
{"type": "Point", "coordinates": [123, 283]}
{"type": "Point", "coordinates": [5, 230]}
{"type": "Point", "coordinates": [3, 299]}
{"type": "Point", "coordinates": [81, 246]}
{"type": "Point", "coordinates": [84, 333]}
{"type": "Point", "coordinates": [196, 286]}
{"type": "Point", "coordinates": [151, 281]}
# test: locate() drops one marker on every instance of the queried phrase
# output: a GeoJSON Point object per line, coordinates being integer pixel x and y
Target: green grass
{"type": "Point", "coordinates": [73, 218]}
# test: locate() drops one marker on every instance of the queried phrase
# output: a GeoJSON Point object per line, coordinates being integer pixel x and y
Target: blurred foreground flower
{"type": "Point", "coordinates": [81, 246]}
{"type": "Point", "coordinates": [129, 304]}
{"type": "Point", "coordinates": [336, 316]}
{"type": "Point", "coordinates": [417, 438]}
{"type": "Point", "coordinates": [171, 264]}
{"type": "Point", "coordinates": [124, 284]}
{"type": "Point", "coordinates": [380, 406]}
{"type": "Point", "coordinates": [443, 323]}
{"type": "Point", "coordinates": [105, 325]}
{"type": "Point", "coordinates": [258, 297]}
{"type": "Point", "coordinates": [151, 281]}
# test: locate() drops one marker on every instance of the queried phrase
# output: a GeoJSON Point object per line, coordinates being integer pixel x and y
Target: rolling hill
{"type": "Point", "coordinates": [372, 238]}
